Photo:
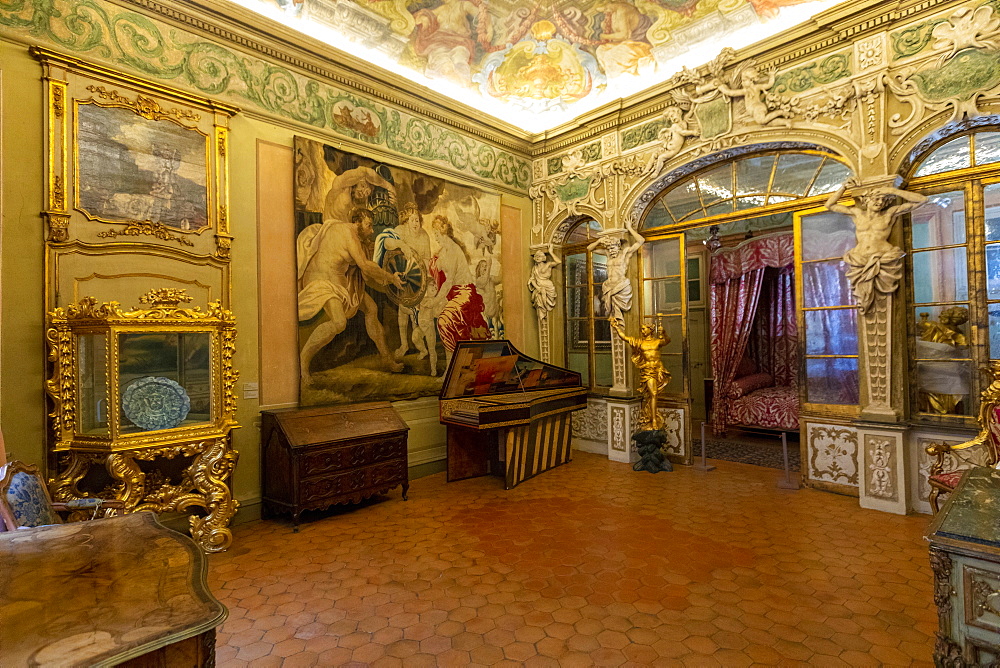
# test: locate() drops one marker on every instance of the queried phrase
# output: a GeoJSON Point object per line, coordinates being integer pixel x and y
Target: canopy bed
{"type": "Point", "coordinates": [754, 335]}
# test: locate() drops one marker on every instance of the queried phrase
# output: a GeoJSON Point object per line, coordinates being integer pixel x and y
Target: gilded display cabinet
{"type": "Point", "coordinates": [143, 407]}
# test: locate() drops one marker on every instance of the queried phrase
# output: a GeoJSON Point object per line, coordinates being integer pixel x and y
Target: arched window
{"type": "Point", "coordinates": [747, 183]}
{"type": "Point", "coordinates": [588, 333]}
{"type": "Point", "coordinates": [953, 286]}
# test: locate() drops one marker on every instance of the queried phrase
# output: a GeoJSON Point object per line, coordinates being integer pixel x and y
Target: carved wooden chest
{"type": "Point", "coordinates": [314, 458]}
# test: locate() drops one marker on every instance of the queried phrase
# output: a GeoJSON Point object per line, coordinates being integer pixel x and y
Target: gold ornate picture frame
{"type": "Point", "coordinates": [131, 161]}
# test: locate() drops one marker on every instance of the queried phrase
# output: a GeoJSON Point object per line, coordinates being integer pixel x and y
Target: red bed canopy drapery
{"type": "Point", "coordinates": [738, 276]}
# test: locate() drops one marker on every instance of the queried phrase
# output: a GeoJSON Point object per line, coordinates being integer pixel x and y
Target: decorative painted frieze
{"type": "Point", "coordinates": [110, 34]}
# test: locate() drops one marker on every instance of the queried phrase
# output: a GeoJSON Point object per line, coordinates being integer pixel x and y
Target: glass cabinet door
{"type": "Point", "coordinates": [92, 370]}
{"type": "Point", "coordinates": [165, 380]}
{"type": "Point", "coordinates": [664, 303]}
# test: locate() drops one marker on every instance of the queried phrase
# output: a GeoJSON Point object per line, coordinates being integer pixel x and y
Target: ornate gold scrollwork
{"type": "Point", "coordinates": [203, 483]}
{"type": "Point", "coordinates": [138, 228]}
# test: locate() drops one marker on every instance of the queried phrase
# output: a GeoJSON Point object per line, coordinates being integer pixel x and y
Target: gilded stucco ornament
{"type": "Point", "coordinates": [94, 365]}
{"type": "Point", "coordinates": [675, 131]}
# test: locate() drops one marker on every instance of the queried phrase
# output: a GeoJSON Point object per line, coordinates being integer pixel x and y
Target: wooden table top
{"type": "Point", "coordinates": [100, 592]}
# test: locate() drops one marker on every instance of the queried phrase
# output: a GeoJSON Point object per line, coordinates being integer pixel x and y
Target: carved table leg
{"type": "Point", "coordinates": [125, 470]}
{"type": "Point", "coordinates": [64, 487]}
{"type": "Point", "coordinates": [209, 472]}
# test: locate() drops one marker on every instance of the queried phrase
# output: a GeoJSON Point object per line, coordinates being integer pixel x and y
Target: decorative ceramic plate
{"type": "Point", "coordinates": [154, 402]}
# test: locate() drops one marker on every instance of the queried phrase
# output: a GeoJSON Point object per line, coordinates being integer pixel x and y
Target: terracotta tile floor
{"type": "Point", "coordinates": [588, 564]}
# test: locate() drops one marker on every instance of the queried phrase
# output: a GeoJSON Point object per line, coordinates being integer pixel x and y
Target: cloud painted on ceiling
{"type": "Point", "coordinates": [533, 64]}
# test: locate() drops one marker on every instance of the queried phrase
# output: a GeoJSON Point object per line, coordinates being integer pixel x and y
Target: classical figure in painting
{"type": "Point", "coordinates": [875, 264]}
{"type": "Point", "coordinates": [333, 269]}
{"type": "Point", "coordinates": [412, 239]}
{"type": "Point", "coordinates": [350, 190]}
{"type": "Point", "coordinates": [456, 303]}
{"type": "Point", "coordinates": [624, 49]}
{"type": "Point", "coordinates": [447, 35]}
{"type": "Point", "coordinates": [752, 90]}
{"type": "Point", "coordinates": [616, 291]}
{"type": "Point", "coordinates": [652, 376]}
{"type": "Point", "coordinates": [543, 290]}
{"type": "Point", "coordinates": [671, 136]}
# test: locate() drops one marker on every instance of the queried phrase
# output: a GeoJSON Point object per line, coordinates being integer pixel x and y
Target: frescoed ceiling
{"type": "Point", "coordinates": [538, 64]}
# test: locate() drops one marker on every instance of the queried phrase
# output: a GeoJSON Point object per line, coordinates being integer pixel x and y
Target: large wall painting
{"type": "Point", "coordinates": [130, 167]}
{"type": "Point", "coordinates": [394, 268]}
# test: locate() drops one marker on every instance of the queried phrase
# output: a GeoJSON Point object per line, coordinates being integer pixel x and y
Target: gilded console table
{"type": "Point", "coordinates": [965, 556]}
{"type": "Point", "coordinates": [114, 591]}
{"type": "Point", "coordinates": [143, 405]}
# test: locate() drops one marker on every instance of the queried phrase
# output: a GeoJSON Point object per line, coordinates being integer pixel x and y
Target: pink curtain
{"type": "Point", "coordinates": [774, 343]}
{"type": "Point", "coordinates": [734, 303]}
{"type": "Point", "coordinates": [737, 276]}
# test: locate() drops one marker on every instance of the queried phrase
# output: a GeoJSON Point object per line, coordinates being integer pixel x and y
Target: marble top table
{"type": "Point", "coordinates": [101, 592]}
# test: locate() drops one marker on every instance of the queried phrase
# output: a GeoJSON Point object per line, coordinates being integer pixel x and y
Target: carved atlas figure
{"type": "Point", "coordinates": [616, 291]}
{"type": "Point", "coordinates": [876, 265]}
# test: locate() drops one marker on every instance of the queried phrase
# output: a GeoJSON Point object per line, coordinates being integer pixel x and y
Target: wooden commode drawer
{"type": "Point", "coordinates": [314, 458]}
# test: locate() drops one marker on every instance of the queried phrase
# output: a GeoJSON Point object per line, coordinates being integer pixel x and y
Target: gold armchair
{"type": "Point", "coordinates": [943, 481]}
{"type": "Point", "coordinates": [25, 500]}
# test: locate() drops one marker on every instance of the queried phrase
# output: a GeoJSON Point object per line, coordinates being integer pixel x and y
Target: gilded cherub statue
{"type": "Point", "coordinates": [652, 376]}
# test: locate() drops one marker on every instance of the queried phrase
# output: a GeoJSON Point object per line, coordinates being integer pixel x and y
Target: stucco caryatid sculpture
{"type": "Point", "coordinates": [876, 265]}
{"type": "Point", "coordinates": [540, 284]}
{"type": "Point", "coordinates": [616, 291]}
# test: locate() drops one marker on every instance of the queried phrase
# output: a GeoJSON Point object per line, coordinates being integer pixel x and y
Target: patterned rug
{"type": "Point", "coordinates": [758, 454]}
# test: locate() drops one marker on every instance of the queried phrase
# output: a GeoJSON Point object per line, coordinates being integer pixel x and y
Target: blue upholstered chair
{"type": "Point", "coordinates": [25, 500]}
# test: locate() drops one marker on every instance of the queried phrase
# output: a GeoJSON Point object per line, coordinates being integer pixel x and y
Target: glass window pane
{"type": "Point", "coordinates": [991, 200]}
{"type": "Point", "coordinates": [750, 202]}
{"type": "Point", "coordinates": [994, 331]}
{"type": "Point", "coordinates": [777, 199]}
{"type": "Point", "coordinates": [661, 258]}
{"type": "Point", "coordinates": [831, 332]}
{"type": "Point", "coordinates": [987, 147]}
{"type": "Point", "coordinates": [576, 269]}
{"type": "Point", "coordinates": [953, 155]}
{"type": "Point", "coordinates": [831, 176]}
{"type": "Point", "coordinates": [673, 328]}
{"type": "Point", "coordinates": [795, 172]}
{"type": "Point", "coordinates": [683, 200]}
{"type": "Point", "coordinates": [832, 380]}
{"type": "Point", "coordinates": [717, 184]}
{"type": "Point", "coordinates": [725, 206]}
{"type": "Point", "coordinates": [940, 276]}
{"type": "Point", "coordinates": [585, 231]}
{"type": "Point", "coordinates": [92, 412]}
{"type": "Point", "coordinates": [993, 271]}
{"type": "Point", "coordinates": [826, 235]}
{"type": "Point", "coordinates": [602, 333]}
{"type": "Point", "coordinates": [942, 332]}
{"type": "Point", "coordinates": [826, 284]}
{"type": "Point", "coordinates": [674, 364]}
{"type": "Point", "coordinates": [941, 222]}
{"type": "Point", "coordinates": [576, 302]}
{"type": "Point", "coordinates": [600, 265]}
{"type": "Point", "coordinates": [943, 387]}
{"type": "Point", "coordinates": [753, 175]}
{"type": "Point", "coordinates": [658, 217]}
{"type": "Point", "coordinates": [662, 296]}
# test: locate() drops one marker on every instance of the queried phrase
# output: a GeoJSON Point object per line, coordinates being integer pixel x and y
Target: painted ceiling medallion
{"type": "Point", "coordinates": [537, 64]}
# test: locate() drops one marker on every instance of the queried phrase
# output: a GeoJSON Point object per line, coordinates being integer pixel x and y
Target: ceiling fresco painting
{"type": "Point", "coordinates": [538, 64]}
